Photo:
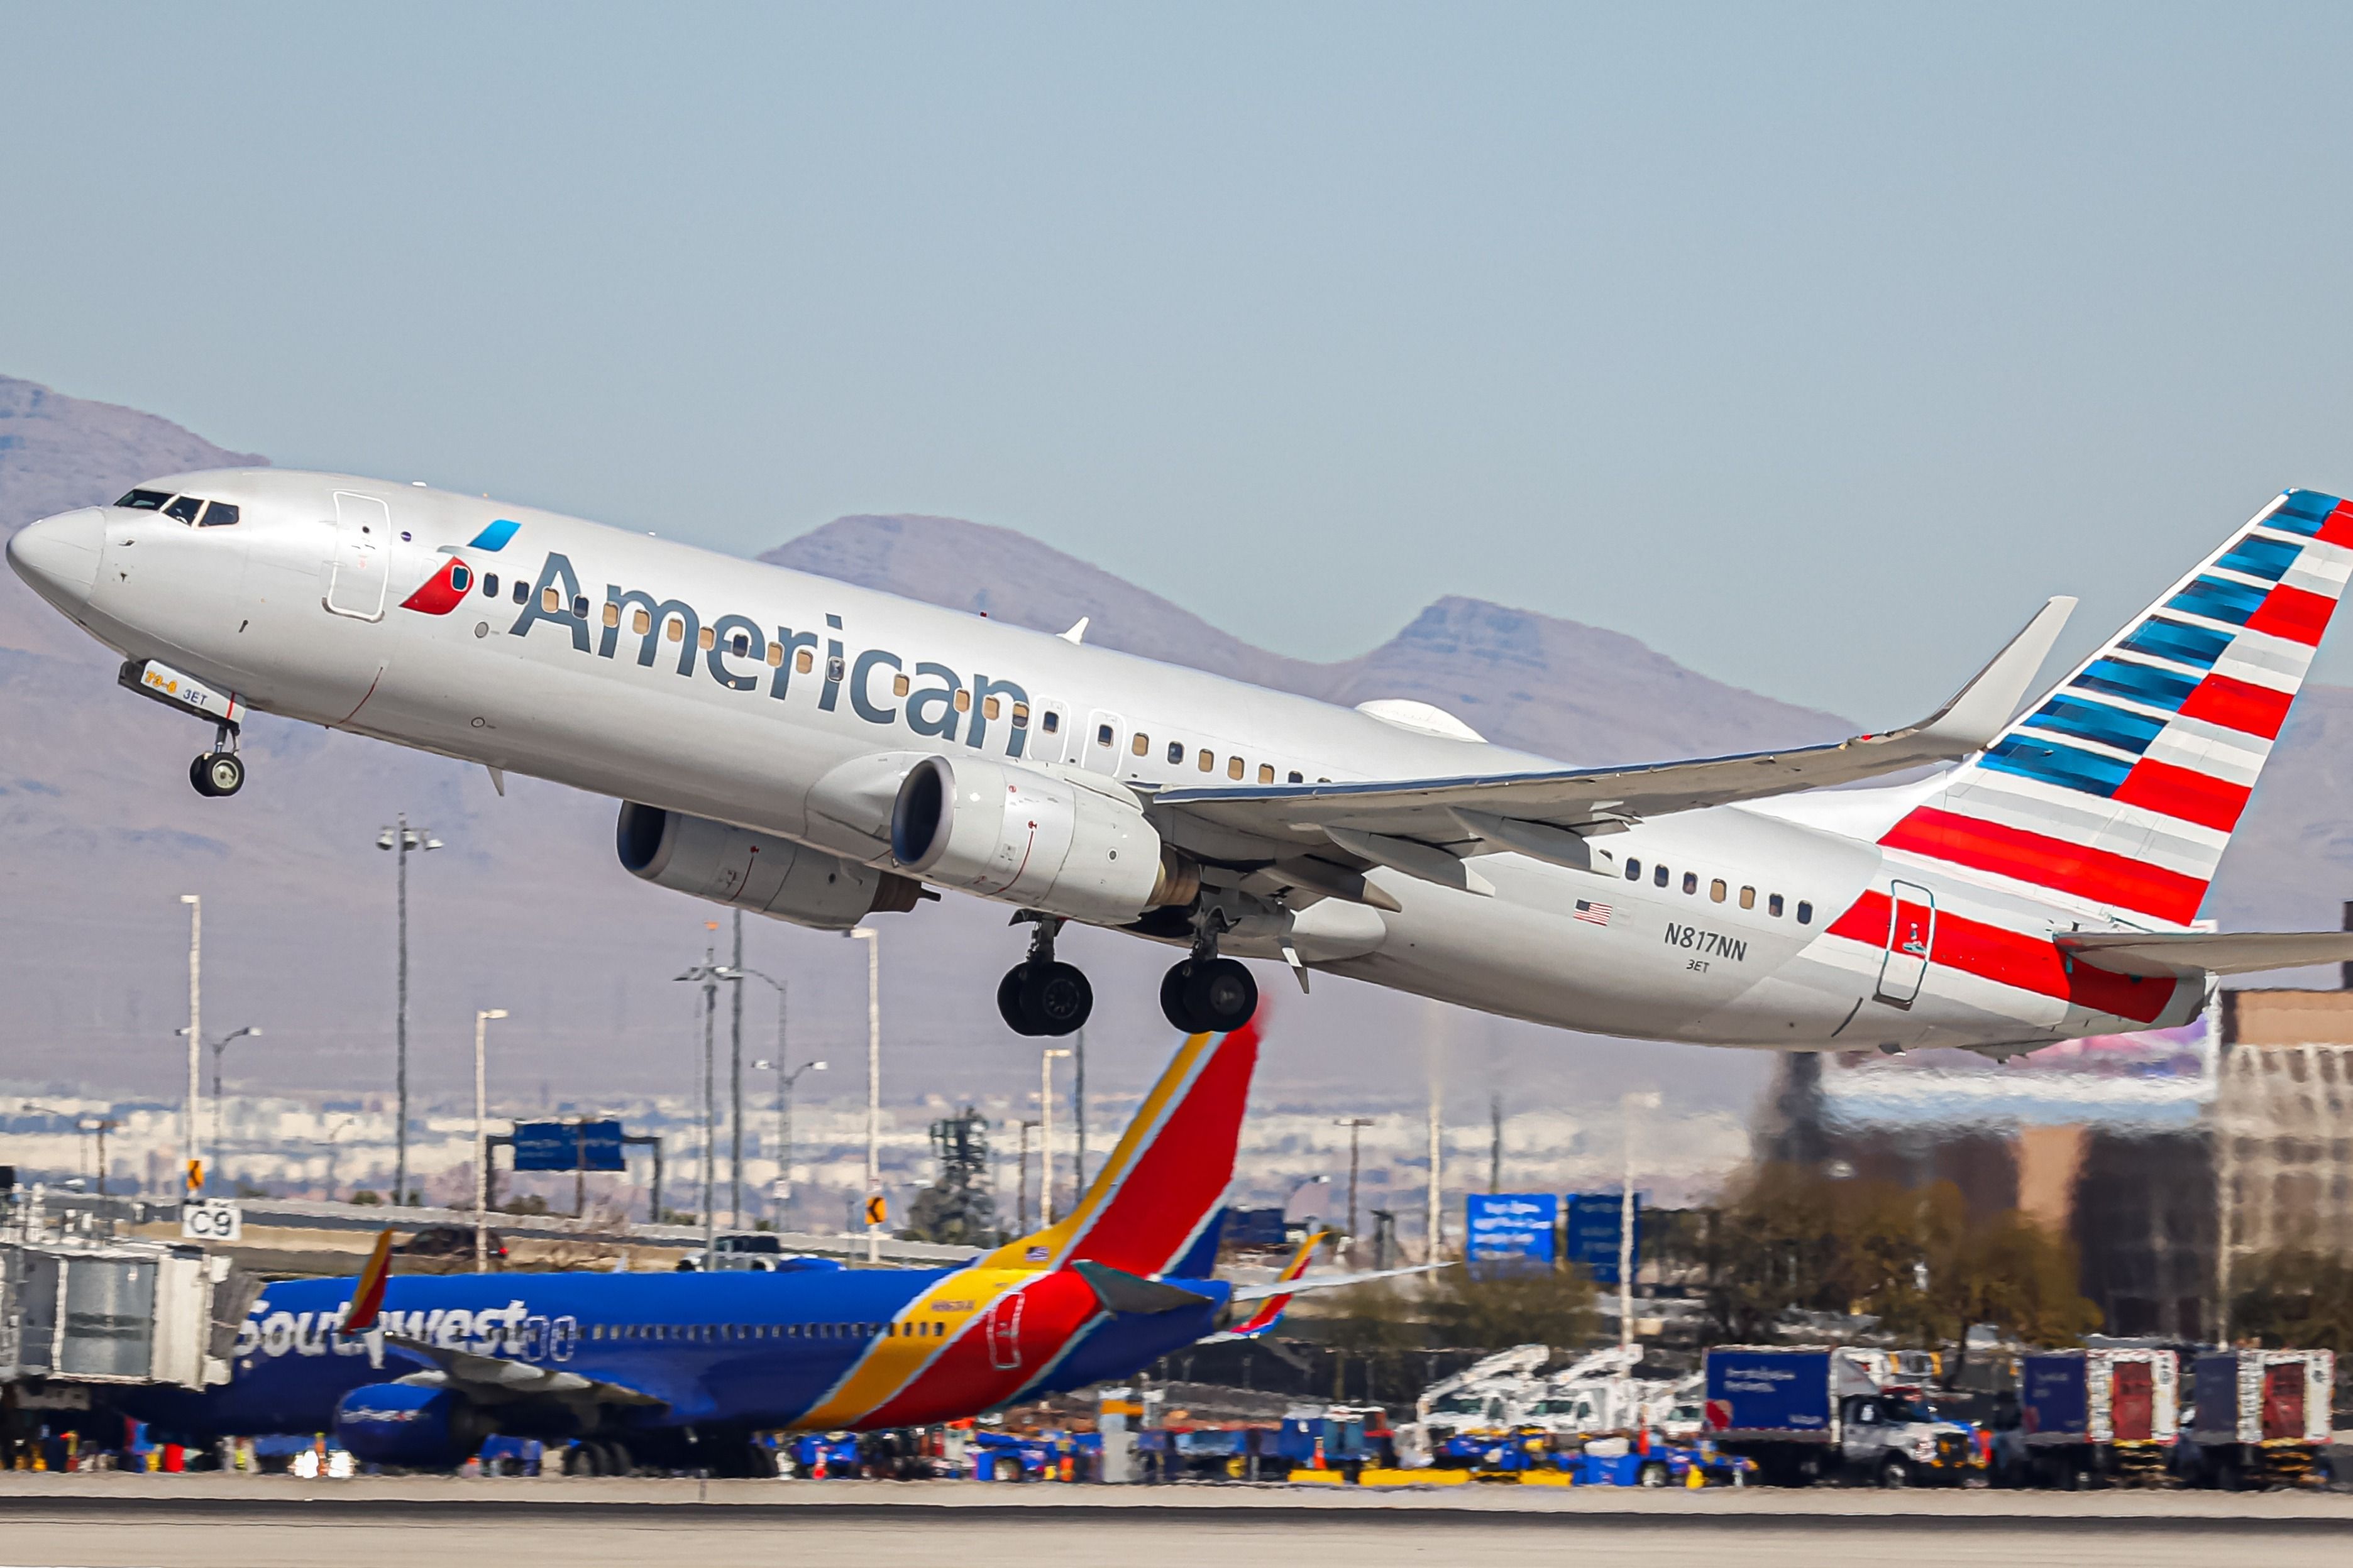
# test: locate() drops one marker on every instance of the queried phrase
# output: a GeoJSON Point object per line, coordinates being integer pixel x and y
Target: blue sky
{"type": "Point", "coordinates": [1814, 345]}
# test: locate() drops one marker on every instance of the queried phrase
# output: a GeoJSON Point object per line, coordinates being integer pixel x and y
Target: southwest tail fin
{"type": "Point", "coordinates": [2120, 789]}
{"type": "Point", "coordinates": [1162, 1185]}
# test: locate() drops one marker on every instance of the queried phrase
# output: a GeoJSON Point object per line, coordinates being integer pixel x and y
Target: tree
{"type": "Point", "coordinates": [1496, 1306]}
{"type": "Point", "coordinates": [2297, 1298]}
{"type": "Point", "coordinates": [955, 1210]}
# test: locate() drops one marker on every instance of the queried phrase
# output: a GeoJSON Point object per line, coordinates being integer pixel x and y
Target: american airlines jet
{"type": "Point", "coordinates": [818, 753]}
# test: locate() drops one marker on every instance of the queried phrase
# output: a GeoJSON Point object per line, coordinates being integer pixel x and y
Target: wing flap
{"type": "Point", "coordinates": [2190, 953]}
{"type": "Point", "coordinates": [516, 1379]}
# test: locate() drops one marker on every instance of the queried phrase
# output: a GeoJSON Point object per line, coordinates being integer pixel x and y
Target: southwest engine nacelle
{"type": "Point", "coordinates": [753, 871]}
{"type": "Point", "coordinates": [409, 1426]}
{"type": "Point", "coordinates": [1037, 839]}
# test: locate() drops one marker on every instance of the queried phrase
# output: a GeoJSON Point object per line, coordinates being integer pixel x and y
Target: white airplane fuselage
{"type": "Point", "coordinates": [1798, 931]}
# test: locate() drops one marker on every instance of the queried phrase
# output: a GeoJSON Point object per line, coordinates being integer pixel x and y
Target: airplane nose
{"type": "Point", "coordinates": [57, 556]}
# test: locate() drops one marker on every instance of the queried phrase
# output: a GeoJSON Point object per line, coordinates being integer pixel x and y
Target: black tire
{"type": "Point", "coordinates": [1010, 992]}
{"type": "Point", "coordinates": [1220, 996]}
{"type": "Point", "coordinates": [224, 773]}
{"type": "Point", "coordinates": [1172, 997]}
{"type": "Point", "coordinates": [614, 1460]}
{"type": "Point", "coordinates": [1055, 999]}
{"type": "Point", "coordinates": [199, 778]}
{"type": "Point", "coordinates": [1894, 1474]}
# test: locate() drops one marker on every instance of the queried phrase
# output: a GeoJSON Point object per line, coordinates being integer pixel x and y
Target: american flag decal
{"type": "Point", "coordinates": [1592, 913]}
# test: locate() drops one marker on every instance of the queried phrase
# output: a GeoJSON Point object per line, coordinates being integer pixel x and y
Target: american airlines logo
{"type": "Point", "coordinates": [879, 685]}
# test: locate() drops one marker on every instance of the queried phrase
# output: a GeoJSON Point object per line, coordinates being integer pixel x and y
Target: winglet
{"type": "Point", "coordinates": [1982, 709]}
{"type": "Point", "coordinates": [367, 1294]}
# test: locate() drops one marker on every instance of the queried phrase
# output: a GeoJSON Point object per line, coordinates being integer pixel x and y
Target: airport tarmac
{"type": "Point", "coordinates": [199, 1521]}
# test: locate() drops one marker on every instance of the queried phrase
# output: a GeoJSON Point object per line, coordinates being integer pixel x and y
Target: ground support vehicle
{"type": "Point", "coordinates": [2088, 1415]}
{"type": "Point", "coordinates": [2260, 1418]}
{"type": "Point", "coordinates": [1036, 1456]}
{"type": "Point", "coordinates": [1809, 1413]}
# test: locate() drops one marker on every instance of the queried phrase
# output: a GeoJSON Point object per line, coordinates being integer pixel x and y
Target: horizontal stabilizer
{"type": "Point", "coordinates": [2175, 954]}
{"type": "Point", "coordinates": [1327, 1282]}
{"type": "Point", "coordinates": [1121, 1291]}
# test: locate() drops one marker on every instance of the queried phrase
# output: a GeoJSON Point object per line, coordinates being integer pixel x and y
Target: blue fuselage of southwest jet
{"type": "Point", "coordinates": [825, 1347]}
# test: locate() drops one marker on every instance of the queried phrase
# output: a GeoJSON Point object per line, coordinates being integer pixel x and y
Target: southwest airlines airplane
{"type": "Point", "coordinates": [807, 749]}
{"type": "Point", "coordinates": [679, 1370]}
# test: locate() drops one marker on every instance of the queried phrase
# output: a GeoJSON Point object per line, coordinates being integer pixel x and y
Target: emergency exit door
{"type": "Point", "coordinates": [355, 574]}
{"type": "Point", "coordinates": [1005, 1331]}
{"type": "Point", "coordinates": [1911, 938]}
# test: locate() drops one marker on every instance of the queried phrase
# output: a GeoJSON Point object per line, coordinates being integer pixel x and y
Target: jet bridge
{"type": "Point", "coordinates": [79, 1313]}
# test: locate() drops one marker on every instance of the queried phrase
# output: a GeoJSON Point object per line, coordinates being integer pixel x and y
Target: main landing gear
{"type": "Point", "coordinates": [1208, 995]}
{"type": "Point", "coordinates": [1040, 996]}
{"type": "Point", "coordinates": [219, 772]}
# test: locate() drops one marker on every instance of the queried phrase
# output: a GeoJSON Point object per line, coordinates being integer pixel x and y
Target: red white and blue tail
{"type": "Point", "coordinates": [1162, 1182]}
{"type": "Point", "coordinates": [2119, 791]}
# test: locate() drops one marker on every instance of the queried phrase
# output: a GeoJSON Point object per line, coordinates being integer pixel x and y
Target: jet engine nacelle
{"type": "Point", "coordinates": [1042, 840]}
{"type": "Point", "coordinates": [409, 1425]}
{"type": "Point", "coordinates": [753, 871]}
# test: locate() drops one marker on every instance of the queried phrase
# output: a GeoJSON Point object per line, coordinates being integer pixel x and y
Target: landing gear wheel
{"type": "Point", "coordinates": [218, 773]}
{"type": "Point", "coordinates": [1009, 998]}
{"type": "Point", "coordinates": [1211, 995]}
{"type": "Point", "coordinates": [1055, 999]}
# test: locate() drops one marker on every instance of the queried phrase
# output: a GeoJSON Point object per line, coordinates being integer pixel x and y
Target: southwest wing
{"type": "Point", "coordinates": [1424, 827]}
{"type": "Point", "coordinates": [502, 1379]}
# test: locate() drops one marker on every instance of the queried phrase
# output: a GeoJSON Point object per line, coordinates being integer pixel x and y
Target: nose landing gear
{"type": "Point", "coordinates": [1040, 996]}
{"type": "Point", "coordinates": [219, 772]}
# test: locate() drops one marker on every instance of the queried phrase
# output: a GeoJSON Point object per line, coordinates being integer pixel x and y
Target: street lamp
{"type": "Point", "coordinates": [217, 1047]}
{"type": "Point", "coordinates": [401, 839]}
{"type": "Point", "coordinates": [873, 1084]}
{"type": "Point", "coordinates": [740, 972]}
{"type": "Point", "coordinates": [1046, 1130]}
{"type": "Point", "coordinates": [482, 1144]}
{"type": "Point", "coordinates": [785, 1082]}
{"type": "Point", "coordinates": [83, 1125]}
{"type": "Point", "coordinates": [341, 1125]}
{"type": "Point", "coordinates": [195, 1035]}
{"type": "Point", "coordinates": [708, 974]}
{"type": "Point", "coordinates": [1355, 1126]}
{"type": "Point", "coordinates": [1640, 1100]}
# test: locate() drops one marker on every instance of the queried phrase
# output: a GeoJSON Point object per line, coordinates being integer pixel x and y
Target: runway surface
{"type": "Point", "coordinates": [73, 1521]}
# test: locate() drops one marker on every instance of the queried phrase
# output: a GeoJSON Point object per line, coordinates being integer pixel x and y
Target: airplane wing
{"type": "Point", "coordinates": [1425, 827]}
{"type": "Point", "coordinates": [2190, 953]}
{"type": "Point", "coordinates": [1327, 1282]}
{"type": "Point", "coordinates": [502, 1379]}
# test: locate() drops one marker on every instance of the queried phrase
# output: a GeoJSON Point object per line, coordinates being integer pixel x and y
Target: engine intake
{"type": "Point", "coordinates": [409, 1425]}
{"type": "Point", "coordinates": [1038, 839]}
{"type": "Point", "coordinates": [754, 871]}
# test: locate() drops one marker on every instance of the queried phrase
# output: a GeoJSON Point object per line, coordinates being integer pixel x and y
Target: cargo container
{"type": "Point", "coordinates": [2262, 1418]}
{"type": "Point", "coordinates": [2092, 1414]}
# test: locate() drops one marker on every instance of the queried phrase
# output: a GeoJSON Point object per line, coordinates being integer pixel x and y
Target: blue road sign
{"type": "Point", "coordinates": [568, 1146]}
{"type": "Point", "coordinates": [1594, 1221]}
{"type": "Point", "coordinates": [1511, 1227]}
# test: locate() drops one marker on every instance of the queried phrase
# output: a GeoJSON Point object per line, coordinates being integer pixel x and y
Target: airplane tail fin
{"type": "Point", "coordinates": [2120, 789]}
{"type": "Point", "coordinates": [1149, 1204]}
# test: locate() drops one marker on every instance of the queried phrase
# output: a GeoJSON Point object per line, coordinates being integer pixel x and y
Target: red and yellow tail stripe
{"type": "Point", "coordinates": [1273, 1306]}
{"type": "Point", "coordinates": [367, 1293]}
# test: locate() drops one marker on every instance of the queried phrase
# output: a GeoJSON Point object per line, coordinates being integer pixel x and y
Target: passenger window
{"type": "Point", "coordinates": [522, 592]}
{"type": "Point", "coordinates": [144, 500]}
{"type": "Point", "coordinates": [1051, 723]}
{"type": "Point", "coordinates": [1716, 891]}
{"type": "Point", "coordinates": [1633, 870]}
{"type": "Point", "coordinates": [1659, 876]}
{"type": "Point", "coordinates": [776, 655]}
{"type": "Point", "coordinates": [1805, 913]}
{"type": "Point", "coordinates": [898, 685]}
{"type": "Point", "coordinates": [1266, 773]}
{"type": "Point", "coordinates": [1748, 897]}
{"type": "Point", "coordinates": [641, 623]}
{"type": "Point", "coordinates": [1021, 715]}
{"type": "Point", "coordinates": [743, 644]}
{"type": "Point", "coordinates": [1295, 778]}
{"type": "Point", "coordinates": [612, 614]}
{"type": "Point", "coordinates": [674, 629]}
{"type": "Point", "coordinates": [1233, 767]}
{"type": "Point", "coordinates": [1773, 905]}
{"type": "Point", "coordinates": [962, 701]}
{"type": "Point", "coordinates": [490, 587]}
{"type": "Point", "coordinates": [550, 600]}
{"type": "Point", "coordinates": [1141, 746]}
{"type": "Point", "coordinates": [580, 608]}
{"type": "Point", "coordinates": [220, 514]}
{"type": "Point", "coordinates": [1175, 753]}
{"type": "Point", "coordinates": [1691, 881]}
{"type": "Point", "coordinates": [988, 709]}
{"type": "Point", "coordinates": [708, 640]}
{"type": "Point", "coordinates": [185, 509]}
{"type": "Point", "coordinates": [459, 578]}
{"type": "Point", "coordinates": [804, 661]}
{"type": "Point", "coordinates": [1209, 759]}
{"type": "Point", "coordinates": [1102, 735]}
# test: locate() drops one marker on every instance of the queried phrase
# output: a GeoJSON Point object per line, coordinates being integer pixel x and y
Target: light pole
{"type": "Point", "coordinates": [1638, 1100]}
{"type": "Point", "coordinates": [873, 1085]}
{"type": "Point", "coordinates": [1355, 1126]}
{"type": "Point", "coordinates": [341, 1125]}
{"type": "Point", "coordinates": [195, 1036]}
{"type": "Point", "coordinates": [1046, 1131]}
{"type": "Point", "coordinates": [83, 1127]}
{"type": "Point", "coordinates": [218, 1047]}
{"type": "Point", "coordinates": [735, 1090]}
{"type": "Point", "coordinates": [785, 1082]}
{"type": "Point", "coordinates": [482, 1143]}
{"type": "Point", "coordinates": [707, 974]}
{"type": "Point", "coordinates": [401, 839]}
{"type": "Point", "coordinates": [740, 972]}
{"type": "Point", "coordinates": [1021, 1180]}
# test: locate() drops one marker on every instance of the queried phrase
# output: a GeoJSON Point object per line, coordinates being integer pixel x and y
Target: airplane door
{"type": "Point", "coordinates": [1005, 1332]}
{"type": "Point", "coordinates": [1106, 733]}
{"type": "Point", "coordinates": [1911, 937]}
{"type": "Point", "coordinates": [1049, 731]}
{"type": "Point", "coordinates": [356, 581]}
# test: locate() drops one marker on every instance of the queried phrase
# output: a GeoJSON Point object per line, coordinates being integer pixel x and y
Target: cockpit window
{"type": "Point", "coordinates": [186, 508]}
{"type": "Point", "coordinates": [145, 501]}
{"type": "Point", "coordinates": [220, 514]}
